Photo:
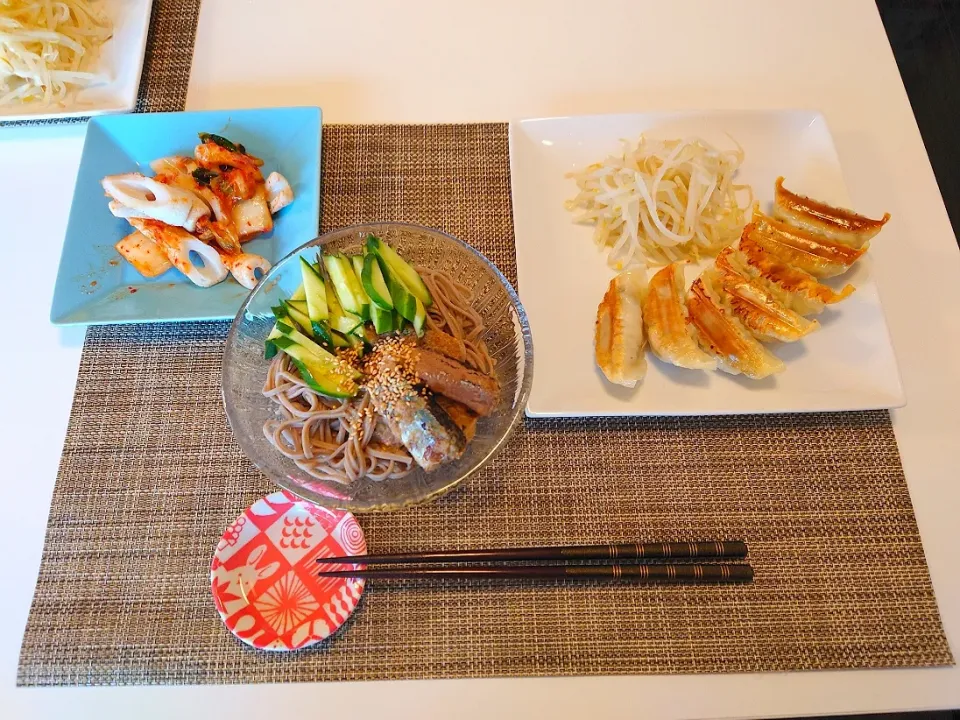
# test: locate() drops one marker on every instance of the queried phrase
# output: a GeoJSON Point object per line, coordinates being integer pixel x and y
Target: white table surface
{"type": "Point", "coordinates": [439, 61]}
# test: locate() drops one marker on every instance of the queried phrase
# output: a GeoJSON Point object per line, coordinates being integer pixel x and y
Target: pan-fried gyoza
{"type": "Point", "coordinates": [759, 311]}
{"type": "Point", "coordinates": [618, 336]}
{"type": "Point", "coordinates": [724, 336]}
{"type": "Point", "coordinates": [815, 254]}
{"type": "Point", "coordinates": [835, 223]}
{"type": "Point", "coordinates": [672, 338]}
{"type": "Point", "coordinates": [758, 292]}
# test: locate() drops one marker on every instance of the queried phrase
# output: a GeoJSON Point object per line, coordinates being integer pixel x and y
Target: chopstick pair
{"type": "Point", "coordinates": [638, 573]}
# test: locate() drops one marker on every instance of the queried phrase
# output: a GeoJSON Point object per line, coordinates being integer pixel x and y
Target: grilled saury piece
{"type": "Point", "coordinates": [383, 434]}
{"type": "Point", "coordinates": [815, 254]}
{"type": "Point", "coordinates": [619, 338]}
{"type": "Point", "coordinates": [759, 311]}
{"type": "Point", "coordinates": [424, 428]}
{"type": "Point", "coordinates": [463, 416]}
{"type": "Point", "coordinates": [796, 289]}
{"type": "Point", "coordinates": [672, 337]}
{"type": "Point", "coordinates": [726, 337]}
{"type": "Point", "coordinates": [445, 344]}
{"type": "Point", "coordinates": [446, 376]}
{"type": "Point", "coordinates": [839, 224]}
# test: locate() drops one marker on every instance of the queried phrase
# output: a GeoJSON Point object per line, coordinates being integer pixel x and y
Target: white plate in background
{"type": "Point", "coordinates": [848, 364]}
{"type": "Point", "coordinates": [120, 59]}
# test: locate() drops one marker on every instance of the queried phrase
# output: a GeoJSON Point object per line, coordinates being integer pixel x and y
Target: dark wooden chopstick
{"type": "Point", "coordinates": [728, 549]}
{"type": "Point", "coordinates": [688, 574]}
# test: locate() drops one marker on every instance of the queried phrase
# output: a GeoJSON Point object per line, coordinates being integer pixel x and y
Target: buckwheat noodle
{"type": "Point", "coordinates": [452, 312]}
{"type": "Point", "coordinates": [338, 440]}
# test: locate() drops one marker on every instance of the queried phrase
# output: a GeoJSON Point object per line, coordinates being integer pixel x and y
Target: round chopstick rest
{"type": "Point", "coordinates": [263, 575]}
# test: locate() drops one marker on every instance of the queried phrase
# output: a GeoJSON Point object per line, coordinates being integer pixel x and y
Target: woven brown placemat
{"type": "Point", "coordinates": [169, 55]}
{"type": "Point", "coordinates": [166, 61]}
{"type": "Point", "coordinates": [150, 477]}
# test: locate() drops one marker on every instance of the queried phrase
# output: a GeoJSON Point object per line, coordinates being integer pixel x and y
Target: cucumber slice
{"type": "Point", "coordinates": [347, 340]}
{"type": "Point", "coordinates": [347, 324]}
{"type": "Point", "coordinates": [299, 294]}
{"type": "Point", "coordinates": [373, 283]}
{"type": "Point", "coordinates": [401, 269]}
{"type": "Point", "coordinates": [270, 347]}
{"type": "Point", "coordinates": [316, 294]}
{"type": "Point", "coordinates": [345, 283]}
{"type": "Point", "coordinates": [285, 330]}
{"type": "Point", "coordinates": [404, 302]}
{"type": "Point", "coordinates": [322, 333]}
{"type": "Point", "coordinates": [334, 308]}
{"type": "Point", "coordinates": [284, 312]}
{"type": "Point", "coordinates": [340, 340]}
{"type": "Point", "coordinates": [300, 305]}
{"type": "Point", "coordinates": [314, 329]}
{"type": "Point", "coordinates": [330, 385]}
{"type": "Point", "coordinates": [291, 332]}
{"type": "Point", "coordinates": [338, 318]}
{"type": "Point", "coordinates": [322, 378]}
{"type": "Point", "coordinates": [322, 357]}
{"type": "Point", "coordinates": [299, 317]}
{"type": "Point", "coordinates": [356, 262]}
{"type": "Point", "coordinates": [420, 318]}
{"type": "Point", "coordinates": [382, 319]}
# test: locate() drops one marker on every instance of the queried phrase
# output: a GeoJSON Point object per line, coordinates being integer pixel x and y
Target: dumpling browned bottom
{"type": "Point", "coordinates": [726, 337]}
{"type": "Point", "coordinates": [759, 311]}
{"type": "Point", "coordinates": [839, 224]}
{"type": "Point", "coordinates": [815, 254]}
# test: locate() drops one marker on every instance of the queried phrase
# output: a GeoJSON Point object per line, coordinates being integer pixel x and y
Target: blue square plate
{"type": "Point", "coordinates": [95, 285]}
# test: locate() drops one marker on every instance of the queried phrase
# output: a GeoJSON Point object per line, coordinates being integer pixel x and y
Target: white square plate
{"type": "Point", "coordinates": [848, 364]}
{"type": "Point", "coordinates": [120, 61]}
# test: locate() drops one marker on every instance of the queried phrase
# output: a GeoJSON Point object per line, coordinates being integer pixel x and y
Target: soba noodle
{"type": "Point", "coordinates": [337, 440]}
{"type": "Point", "coordinates": [452, 312]}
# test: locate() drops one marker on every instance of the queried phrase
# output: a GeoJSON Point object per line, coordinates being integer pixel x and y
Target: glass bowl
{"type": "Point", "coordinates": [507, 336]}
